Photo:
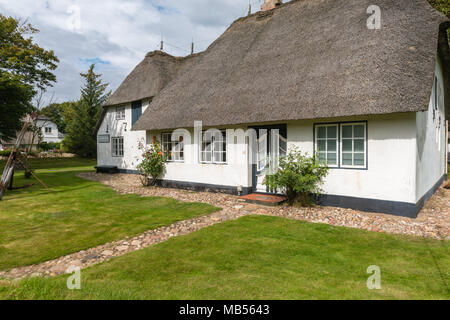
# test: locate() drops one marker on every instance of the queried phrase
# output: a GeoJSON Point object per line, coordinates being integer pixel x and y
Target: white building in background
{"type": "Point", "coordinates": [49, 134]}
{"type": "Point", "coordinates": [49, 130]}
{"type": "Point", "coordinates": [372, 104]}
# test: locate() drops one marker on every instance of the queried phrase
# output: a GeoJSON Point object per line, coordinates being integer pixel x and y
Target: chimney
{"type": "Point", "coordinates": [270, 4]}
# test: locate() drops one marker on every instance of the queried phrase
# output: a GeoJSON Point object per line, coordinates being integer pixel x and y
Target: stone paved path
{"type": "Point", "coordinates": [433, 222]}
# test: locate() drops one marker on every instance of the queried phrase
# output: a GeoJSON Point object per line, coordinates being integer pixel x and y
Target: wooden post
{"type": "Point", "coordinates": [35, 176]}
{"type": "Point", "coordinates": [12, 180]}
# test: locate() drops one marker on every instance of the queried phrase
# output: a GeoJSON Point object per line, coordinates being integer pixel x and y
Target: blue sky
{"type": "Point", "coordinates": [116, 34]}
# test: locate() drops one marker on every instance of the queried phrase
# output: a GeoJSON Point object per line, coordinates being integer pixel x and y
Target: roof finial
{"type": "Point", "coordinates": [161, 47]}
{"type": "Point", "coordinates": [192, 46]}
{"type": "Point", "coordinates": [249, 8]}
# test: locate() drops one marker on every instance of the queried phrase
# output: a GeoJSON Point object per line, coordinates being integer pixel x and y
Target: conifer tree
{"type": "Point", "coordinates": [84, 115]}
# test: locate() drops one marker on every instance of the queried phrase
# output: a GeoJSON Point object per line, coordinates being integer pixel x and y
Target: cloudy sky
{"type": "Point", "coordinates": [116, 34]}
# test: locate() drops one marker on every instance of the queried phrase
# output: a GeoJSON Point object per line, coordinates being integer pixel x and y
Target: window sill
{"type": "Point", "coordinates": [215, 163]}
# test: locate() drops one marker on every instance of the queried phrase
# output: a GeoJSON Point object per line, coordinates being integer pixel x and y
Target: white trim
{"type": "Point", "coordinates": [213, 151]}
{"type": "Point", "coordinates": [318, 126]}
{"type": "Point", "coordinates": [174, 144]}
{"type": "Point", "coordinates": [120, 115]}
{"type": "Point", "coordinates": [364, 139]}
{"type": "Point", "coordinates": [117, 153]}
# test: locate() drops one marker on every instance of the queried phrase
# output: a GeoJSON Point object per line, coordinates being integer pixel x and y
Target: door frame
{"type": "Point", "coordinates": [283, 132]}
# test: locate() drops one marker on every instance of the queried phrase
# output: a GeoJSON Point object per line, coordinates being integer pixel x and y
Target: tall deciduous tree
{"type": "Point", "coordinates": [84, 115]}
{"type": "Point", "coordinates": [24, 66]}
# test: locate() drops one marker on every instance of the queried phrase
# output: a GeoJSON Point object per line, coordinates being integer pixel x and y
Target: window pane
{"type": "Point", "coordinates": [359, 131]}
{"type": "Point", "coordinates": [347, 145]}
{"type": "Point", "coordinates": [347, 159]}
{"type": "Point", "coordinates": [218, 146]}
{"type": "Point", "coordinates": [359, 145]}
{"type": "Point", "coordinates": [359, 159]}
{"type": "Point", "coordinates": [207, 136]}
{"type": "Point", "coordinates": [322, 157]}
{"type": "Point", "coordinates": [332, 145]}
{"type": "Point", "coordinates": [332, 158]}
{"type": "Point", "coordinates": [322, 144]}
{"type": "Point", "coordinates": [347, 131]}
{"type": "Point", "coordinates": [332, 132]}
{"type": "Point", "coordinates": [218, 157]}
{"type": "Point", "coordinates": [322, 132]}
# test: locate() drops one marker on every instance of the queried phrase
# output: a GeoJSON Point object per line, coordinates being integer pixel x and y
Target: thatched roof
{"type": "Point", "coordinates": [28, 139]}
{"type": "Point", "coordinates": [148, 77]}
{"type": "Point", "coordinates": [306, 59]}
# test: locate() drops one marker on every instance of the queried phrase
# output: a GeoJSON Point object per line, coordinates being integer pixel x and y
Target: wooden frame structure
{"type": "Point", "coordinates": [6, 180]}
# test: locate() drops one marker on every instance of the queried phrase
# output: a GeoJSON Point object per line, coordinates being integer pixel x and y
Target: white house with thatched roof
{"type": "Point", "coordinates": [371, 102]}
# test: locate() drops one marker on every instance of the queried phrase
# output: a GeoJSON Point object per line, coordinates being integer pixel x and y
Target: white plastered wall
{"type": "Point", "coordinates": [431, 144]}
{"type": "Point", "coordinates": [390, 174]}
{"type": "Point", "coordinates": [234, 173]}
{"type": "Point", "coordinates": [116, 128]}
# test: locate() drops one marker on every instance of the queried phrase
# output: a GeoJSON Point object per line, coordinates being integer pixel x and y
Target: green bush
{"type": "Point", "coordinates": [5, 153]}
{"type": "Point", "coordinates": [153, 164]}
{"type": "Point", "coordinates": [47, 146]}
{"type": "Point", "coordinates": [298, 176]}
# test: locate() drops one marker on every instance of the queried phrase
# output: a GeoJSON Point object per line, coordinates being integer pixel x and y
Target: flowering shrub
{"type": "Point", "coordinates": [298, 176]}
{"type": "Point", "coordinates": [153, 164]}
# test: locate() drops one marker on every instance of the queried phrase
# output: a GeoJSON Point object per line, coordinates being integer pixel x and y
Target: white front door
{"type": "Point", "coordinates": [262, 162]}
{"type": "Point", "coordinates": [271, 145]}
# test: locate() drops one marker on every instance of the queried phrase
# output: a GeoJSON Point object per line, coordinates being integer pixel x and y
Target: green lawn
{"type": "Point", "coordinates": [38, 226]}
{"type": "Point", "coordinates": [261, 258]}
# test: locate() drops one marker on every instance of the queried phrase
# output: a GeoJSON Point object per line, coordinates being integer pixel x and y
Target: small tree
{"type": "Point", "coordinates": [153, 164]}
{"type": "Point", "coordinates": [298, 176]}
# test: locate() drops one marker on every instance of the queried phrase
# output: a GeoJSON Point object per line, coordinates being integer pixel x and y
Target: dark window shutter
{"type": "Point", "coordinates": [136, 111]}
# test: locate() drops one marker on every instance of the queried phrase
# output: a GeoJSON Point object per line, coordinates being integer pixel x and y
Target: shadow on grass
{"type": "Point", "coordinates": [57, 182]}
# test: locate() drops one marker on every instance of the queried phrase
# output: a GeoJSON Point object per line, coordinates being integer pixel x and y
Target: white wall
{"type": "Point", "coordinates": [117, 129]}
{"type": "Point", "coordinates": [234, 173]}
{"type": "Point", "coordinates": [431, 142]}
{"type": "Point", "coordinates": [391, 159]}
{"type": "Point", "coordinates": [48, 137]}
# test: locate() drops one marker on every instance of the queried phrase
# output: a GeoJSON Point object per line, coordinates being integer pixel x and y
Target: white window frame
{"type": "Point", "coordinates": [116, 143]}
{"type": "Point", "coordinates": [120, 113]}
{"type": "Point", "coordinates": [341, 141]}
{"type": "Point", "coordinates": [48, 129]}
{"type": "Point", "coordinates": [326, 139]}
{"type": "Point", "coordinates": [213, 149]}
{"type": "Point", "coordinates": [177, 147]}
